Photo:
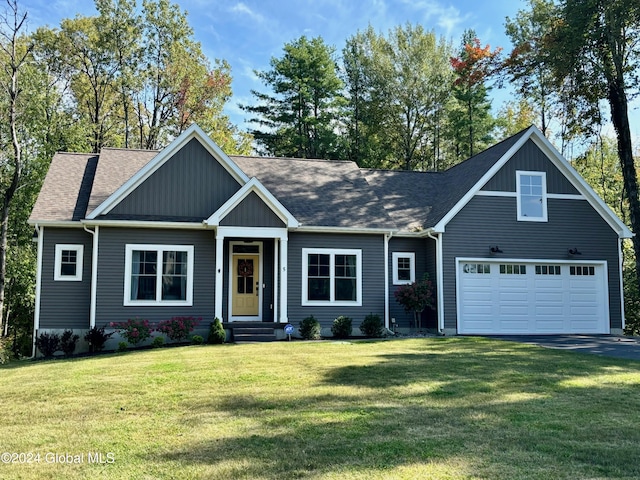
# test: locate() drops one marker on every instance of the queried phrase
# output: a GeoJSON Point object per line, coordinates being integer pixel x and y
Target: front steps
{"type": "Point", "coordinates": [251, 333]}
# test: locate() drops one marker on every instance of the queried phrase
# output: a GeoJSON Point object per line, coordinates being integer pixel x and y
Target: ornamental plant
{"type": "Point", "coordinates": [217, 333]}
{"type": "Point", "coordinates": [178, 328]}
{"type": "Point", "coordinates": [96, 338]}
{"type": "Point", "coordinates": [310, 328]}
{"type": "Point", "coordinates": [341, 327]}
{"type": "Point", "coordinates": [416, 297]}
{"type": "Point", "coordinates": [134, 330]}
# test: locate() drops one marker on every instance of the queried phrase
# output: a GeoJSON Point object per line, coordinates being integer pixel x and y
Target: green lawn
{"type": "Point", "coordinates": [423, 408]}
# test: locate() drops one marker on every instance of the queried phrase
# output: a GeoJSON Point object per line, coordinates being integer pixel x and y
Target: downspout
{"type": "Point", "coordinates": [387, 237]}
{"type": "Point", "coordinates": [439, 276]}
{"type": "Point", "coordinates": [94, 274]}
{"type": "Point", "coordinates": [620, 267]}
{"type": "Point", "coordinates": [36, 313]}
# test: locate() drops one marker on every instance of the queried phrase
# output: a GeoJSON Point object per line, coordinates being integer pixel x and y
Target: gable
{"type": "Point", "coordinates": [188, 186]}
{"type": "Point", "coordinates": [252, 212]}
{"type": "Point", "coordinates": [530, 158]}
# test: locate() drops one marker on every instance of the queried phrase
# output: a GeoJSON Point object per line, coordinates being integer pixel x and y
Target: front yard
{"type": "Point", "coordinates": [442, 408]}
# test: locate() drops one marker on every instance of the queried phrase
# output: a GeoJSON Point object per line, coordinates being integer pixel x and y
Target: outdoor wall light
{"type": "Point", "coordinates": [574, 251]}
{"type": "Point", "coordinates": [495, 249]}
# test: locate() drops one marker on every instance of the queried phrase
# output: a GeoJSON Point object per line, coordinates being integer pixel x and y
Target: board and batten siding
{"type": "Point", "coordinates": [425, 252]}
{"type": "Point", "coordinates": [191, 185]}
{"type": "Point", "coordinates": [111, 268]}
{"type": "Point", "coordinates": [529, 158]}
{"type": "Point", "coordinates": [491, 221]}
{"type": "Point", "coordinates": [373, 286]}
{"type": "Point", "coordinates": [65, 304]}
{"type": "Point", "coordinates": [252, 212]}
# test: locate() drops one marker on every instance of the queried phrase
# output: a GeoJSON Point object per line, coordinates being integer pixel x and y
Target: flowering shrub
{"type": "Point", "coordinates": [416, 296]}
{"type": "Point", "coordinates": [178, 328]}
{"type": "Point", "coordinates": [134, 330]}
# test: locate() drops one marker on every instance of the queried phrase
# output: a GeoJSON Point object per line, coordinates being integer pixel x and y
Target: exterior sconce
{"type": "Point", "coordinates": [495, 249]}
{"type": "Point", "coordinates": [574, 251]}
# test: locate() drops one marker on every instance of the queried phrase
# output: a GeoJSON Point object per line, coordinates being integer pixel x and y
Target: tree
{"type": "Point", "coordinates": [472, 123]}
{"type": "Point", "coordinates": [298, 118]}
{"type": "Point", "coordinates": [593, 52]}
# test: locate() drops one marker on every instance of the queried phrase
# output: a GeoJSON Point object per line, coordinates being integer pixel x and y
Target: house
{"type": "Point", "coordinates": [514, 239]}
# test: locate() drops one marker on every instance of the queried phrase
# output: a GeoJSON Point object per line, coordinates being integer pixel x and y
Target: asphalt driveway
{"type": "Point", "coordinates": [606, 345]}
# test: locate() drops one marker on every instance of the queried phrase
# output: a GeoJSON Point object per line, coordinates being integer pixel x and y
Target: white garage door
{"type": "Point", "coordinates": [532, 297]}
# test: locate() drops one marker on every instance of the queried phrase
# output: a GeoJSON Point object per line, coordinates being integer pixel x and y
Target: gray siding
{"type": "Point", "coordinates": [111, 267]}
{"type": "Point", "coordinates": [65, 304]}
{"type": "Point", "coordinates": [489, 221]}
{"type": "Point", "coordinates": [425, 263]}
{"type": "Point", "coordinates": [252, 212]}
{"type": "Point", "coordinates": [529, 158]}
{"type": "Point", "coordinates": [372, 247]}
{"type": "Point", "coordinates": [190, 186]}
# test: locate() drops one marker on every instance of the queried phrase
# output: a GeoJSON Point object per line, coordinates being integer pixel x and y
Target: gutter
{"type": "Point", "coordinates": [94, 274]}
{"type": "Point", "coordinates": [440, 276]}
{"type": "Point", "coordinates": [36, 313]}
{"type": "Point", "coordinates": [387, 238]}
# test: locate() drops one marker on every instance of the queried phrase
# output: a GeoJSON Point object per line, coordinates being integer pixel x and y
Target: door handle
{"type": "Point", "coordinates": [257, 287]}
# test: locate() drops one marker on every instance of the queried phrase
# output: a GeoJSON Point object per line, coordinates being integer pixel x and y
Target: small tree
{"type": "Point", "coordinates": [416, 297]}
{"type": "Point", "coordinates": [68, 342]}
{"type": "Point", "coordinates": [217, 333]}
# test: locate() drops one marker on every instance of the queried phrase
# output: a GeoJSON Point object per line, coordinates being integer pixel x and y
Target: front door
{"type": "Point", "coordinates": [246, 288]}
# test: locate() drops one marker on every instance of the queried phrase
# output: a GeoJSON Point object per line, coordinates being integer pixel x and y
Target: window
{"type": "Point", "coordinates": [404, 267]}
{"type": "Point", "coordinates": [158, 275]}
{"type": "Point", "coordinates": [581, 270]}
{"type": "Point", "coordinates": [68, 263]}
{"type": "Point", "coordinates": [507, 269]}
{"type": "Point", "coordinates": [476, 268]}
{"type": "Point", "coordinates": [547, 269]}
{"type": "Point", "coordinates": [331, 277]}
{"type": "Point", "coordinates": [531, 194]}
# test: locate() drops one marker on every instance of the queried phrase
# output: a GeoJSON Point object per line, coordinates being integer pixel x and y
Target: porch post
{"type": "Point", "coordinates": [283, 280]}
{"type": "Point", "coordinates": [276, 276]}
{"type": "Point", "coordinates": [219, 276]}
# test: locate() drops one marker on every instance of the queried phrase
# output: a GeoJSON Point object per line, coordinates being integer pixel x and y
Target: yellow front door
{"type": "Point", "coordinates": [246, 288]}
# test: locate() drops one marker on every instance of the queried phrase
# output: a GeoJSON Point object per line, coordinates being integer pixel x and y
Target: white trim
{"type": "Point", "coordinates": [143, 224]}
{"type": "Point", "coordinates": [351, 230]}
{"type": "Point", "coordinates": [276, 268]}
{"type": "Point", "coordinates": [36, 313]}
{"type": "Point", "coordinates": [440, 279]}
{"type": "Point", "coordinates": [57, 272]}
{"type": "Point", "coordinates": [566, 196]}
{"type": "Point", "coordinates": [530, 261]}
{"type": "Point", "coordinates": [94, 275]}
{"type": "Point", "coordinates": [252, 232]}
{"type": "Point", "coordinates": [194, 131]}
{"type": "Point", "coordinates": [130, 247]}
{"type": "Point", "coordinates": [241, 318]}
{"type": "Point", "coordinates": [543, 176]}
{"type": "Point", "coordinates": [332, 252]}
{"type": "Point", "coordinates": [265, 195]}
{"type": "Point", "coordinates": [284, 281]}
{"type": "Point", "coordinates": [387, 313]}
{"type": "Point", "coordinates": [620, 269]}
{"type": "Point", "coordinates": [495, 193]}
{"type": "Point", "coordinates": [412, 267]}
{"type": "Point", "coordinates": [219, 285]}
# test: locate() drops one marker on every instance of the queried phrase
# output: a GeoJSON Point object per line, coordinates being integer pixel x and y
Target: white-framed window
{"type": "Point", "coordinates": [158, 275]}
{"type": "Point", "coordinates": [404, 267]}
{"type": "Point", "coordinates": [331, 276]}
{"type": "Point", "coordinates": [68, 263]}
{"type": "Point", "coordinates": [477, 268]}
{"type": "Point", "coordinates": [531, 195]}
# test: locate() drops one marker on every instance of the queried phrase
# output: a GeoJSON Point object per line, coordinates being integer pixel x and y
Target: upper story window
{"type": "Point", "coordinates": [158, 275]}
{"type": "Point", "coordinates": [531, 194]}
{"type": "Point", "coordinates": [404, 268]}
{"type": "Point", "coordinates": [331, 277]}
{"type": "Point", "coordinates": [68, 263]}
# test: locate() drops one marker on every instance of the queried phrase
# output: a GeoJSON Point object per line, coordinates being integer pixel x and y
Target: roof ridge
{"type": "Point", "coordinates": [130, 149]}
{"type": "Point", "coordinates": [91, 154]}
{"type": "Point", "coordinates": [292, 158]}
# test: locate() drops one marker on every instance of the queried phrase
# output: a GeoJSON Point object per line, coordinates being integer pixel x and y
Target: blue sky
{"type": "Point", "coordinates": [247, 33]}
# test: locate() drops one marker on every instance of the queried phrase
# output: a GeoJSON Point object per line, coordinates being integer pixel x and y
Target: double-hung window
{"type": "Point", "coordinates": [404, 267]}
{"type": "Point", "coordinates": [531, 194]}
{"type": "Point", "coordinates": [158, 275]}
{"type": "Point", "coordinates": [331, 276]}
{"type": "Point", "coordinates": [68, 263]}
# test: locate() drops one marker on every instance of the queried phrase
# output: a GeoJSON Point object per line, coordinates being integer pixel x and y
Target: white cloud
{"type": "Point", "coordinates": [448, 18]}
{"type": "Point", "coordinates": [243, 9]}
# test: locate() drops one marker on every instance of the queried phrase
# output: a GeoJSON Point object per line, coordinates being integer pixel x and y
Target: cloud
{"type": "Point", "coordinates": [243, 9]}
{"type": "Point", "coordinates": [446, 17]}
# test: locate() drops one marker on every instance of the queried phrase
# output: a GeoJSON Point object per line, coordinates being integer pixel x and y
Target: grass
{"type": "Point", "coordinates": [442, 408]}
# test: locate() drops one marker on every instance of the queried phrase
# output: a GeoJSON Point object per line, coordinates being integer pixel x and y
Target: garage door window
{"type": "Point", "coordinates": [582, 270]}
{"type": "Point", "coordinates": [508, 269]}
{"type": "Point", "coordinates": [480, 268]}
{"type": "Point", "coordinates": [547, 269]}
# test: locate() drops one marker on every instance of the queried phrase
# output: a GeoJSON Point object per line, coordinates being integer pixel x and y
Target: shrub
{"type": "Point", "coordinates": [48, 344]}
{"type": "Point", "coordinates": [341, 327]}
{"type": "Point", "coordinates": [97, 338]}
{"type": "Point", "coordinates": [415, 297]}
{"type": "Point", "coordinates": [68, 342]}
{"type": "Point", "coordinates": [216, 332]}
{"type": "Point", "coordinates": [157, 342]}
{"type": "Point", "coordinates": [123, 346]}
{"type": "Point", "coordinates": [372, 326]}
{"type": "Point", "coordinates": [197, 340]}
{"type": "Point", "coordinates": [5, 351]}
{"type": "Point", "coordinates": [310, 328]}
{"type": "Point", "coordinates": [134, 330]}
{"type": "Point", "coordinates": [178, 328]}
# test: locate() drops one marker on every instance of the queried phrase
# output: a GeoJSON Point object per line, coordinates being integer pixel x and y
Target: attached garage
{"type": "Point", "coordinates": [532, 297]}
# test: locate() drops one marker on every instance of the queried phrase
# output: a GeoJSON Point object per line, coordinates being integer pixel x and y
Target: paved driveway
{"type": "Point", "coordinates": [606, 345]}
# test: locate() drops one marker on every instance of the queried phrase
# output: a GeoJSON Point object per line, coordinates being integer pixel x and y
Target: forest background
{"type": "Point", "coordinates": [133, 75]}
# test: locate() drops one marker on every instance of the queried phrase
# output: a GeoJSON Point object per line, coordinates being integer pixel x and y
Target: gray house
{"type": "Point", "coordinates": [513, 238]}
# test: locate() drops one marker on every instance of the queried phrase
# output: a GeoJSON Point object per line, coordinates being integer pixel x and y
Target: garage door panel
{"type": "Point", "coordinates": [528, 297]}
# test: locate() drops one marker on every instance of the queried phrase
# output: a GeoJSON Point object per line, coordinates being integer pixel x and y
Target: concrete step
{"type": "Point", "coordinates": [253, 334]}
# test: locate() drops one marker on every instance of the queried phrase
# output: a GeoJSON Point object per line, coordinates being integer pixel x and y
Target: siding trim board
{"type": "Point", "coordinates": [557, 196]}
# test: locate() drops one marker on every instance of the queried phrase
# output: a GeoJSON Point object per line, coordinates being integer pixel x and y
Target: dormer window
{"type": "Point", "coordinates": [531, 193]}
